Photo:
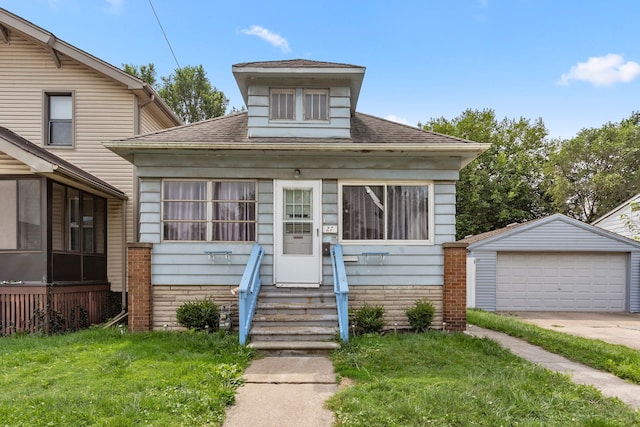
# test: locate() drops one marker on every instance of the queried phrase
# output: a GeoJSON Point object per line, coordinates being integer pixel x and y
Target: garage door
{"type": "Point", "coordinates": [561, 282]}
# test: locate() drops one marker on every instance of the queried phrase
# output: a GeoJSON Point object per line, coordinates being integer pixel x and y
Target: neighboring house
{"type": "Point", "coordinates": [299, 172]}
{"type": "Point", "coordinates": [616, 219]}
{"type": "Point", "coordinates": [554, 263]}
{"type": "Point", "coordinates": [67, 202]}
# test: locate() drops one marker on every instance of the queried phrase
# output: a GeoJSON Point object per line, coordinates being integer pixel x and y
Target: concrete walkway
{"type": "Point", "coordinates": [608, 384]}
{"type": "Point", "coordinates": [285, 391]}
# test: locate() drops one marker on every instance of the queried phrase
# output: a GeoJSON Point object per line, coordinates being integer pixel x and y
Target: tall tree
{"type": "Point", "coordinates": [191, 96]}
{"type": "Point", "coordinates": [506, 183]}
{"type": "Point", "coordinates": [596, 170]}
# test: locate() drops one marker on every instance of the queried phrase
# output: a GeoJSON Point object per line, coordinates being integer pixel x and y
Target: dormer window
{"type": "Point", "coordinates": [282, 105]}
{"type": "Point", "coordinates": [316, 104]}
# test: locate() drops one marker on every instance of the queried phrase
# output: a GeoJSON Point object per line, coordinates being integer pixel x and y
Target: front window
{"type": "Point", "coordinates": [385, 212]}
{"type": "Point", "coordinates": [281, 105]}
{"type": "Point", "coordinates": [316, 104]}
{"type": "Point", "coordinates": [59, 120]}
{"type": "Point", "coordinates": [219, 211]}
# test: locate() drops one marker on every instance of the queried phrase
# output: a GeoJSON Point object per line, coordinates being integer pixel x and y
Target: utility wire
{"type": "Point", "coordinates": [164, 34]}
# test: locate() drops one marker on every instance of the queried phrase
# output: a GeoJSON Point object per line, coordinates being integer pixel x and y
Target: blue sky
{"type": "Point", "coordinates": [573, 63]}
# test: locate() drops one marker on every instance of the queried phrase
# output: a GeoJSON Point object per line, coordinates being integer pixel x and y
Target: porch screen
{"type": "Point", "coordinates": [385, 212]}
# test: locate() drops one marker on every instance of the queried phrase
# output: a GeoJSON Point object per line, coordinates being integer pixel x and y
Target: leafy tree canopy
{"type": "Point", "coordinates": [505, 184]}
{"type": "Point", "coordinates": [187, 91]}
{"type": "Point", "coordinates": [596, 170]}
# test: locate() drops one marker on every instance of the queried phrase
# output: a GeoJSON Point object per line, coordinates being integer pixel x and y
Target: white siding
{"type": "Point", "coordinates": [616, 224]}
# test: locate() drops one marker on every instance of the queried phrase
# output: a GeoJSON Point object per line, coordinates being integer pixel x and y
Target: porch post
{"type": "Point", "coordinates": [455, 286]}
{"type": "Point", "coordinates": [140, 292]}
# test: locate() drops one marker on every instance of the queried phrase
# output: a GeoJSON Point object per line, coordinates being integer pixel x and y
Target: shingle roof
{"type": "Point", "coordinates": [294, 63]}
{"type": "Point", "coordinates": [493, 233]}
{"type": "Point", "coordinates": [62, 165]}
{"type": "Point", "coordinates": [233, 129]}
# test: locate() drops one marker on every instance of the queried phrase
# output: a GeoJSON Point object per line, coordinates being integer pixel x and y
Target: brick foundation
{"type": "Point", "coordinates": [139, 282]}
{"type": "Point", "coordinates": [455, 286]}
{"type": "Point", "coordinates": [396, 299]}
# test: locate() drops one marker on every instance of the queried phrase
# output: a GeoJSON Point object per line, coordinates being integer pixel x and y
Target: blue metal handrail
{"type": "Point", "coordinates": [248, 291]}
{"type": "Point", "coordinates": [341, 289]}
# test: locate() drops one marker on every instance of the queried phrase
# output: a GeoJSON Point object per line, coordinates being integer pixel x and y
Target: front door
{"type": "Point", "coordinates": [297, 211]}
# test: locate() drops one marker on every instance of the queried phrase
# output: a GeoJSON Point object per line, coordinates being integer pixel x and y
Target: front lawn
{"type": "Point", "coordinates": [104, 378]}
{"type": "Point", "coordinates": [440, 379]}
{"type": "Point", "coordinates": [619, 360]}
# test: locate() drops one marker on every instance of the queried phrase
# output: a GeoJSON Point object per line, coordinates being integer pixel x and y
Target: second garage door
{"type": "Point", "coordinates": [561, 282]}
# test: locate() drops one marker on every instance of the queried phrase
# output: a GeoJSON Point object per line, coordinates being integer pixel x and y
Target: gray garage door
{"type": "Point", "coordinates": [561, 282]}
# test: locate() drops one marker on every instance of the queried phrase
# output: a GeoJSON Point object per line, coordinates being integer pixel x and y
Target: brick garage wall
{"type": "Point", "coordinates": [167, 299]}
{"type": "Point", "coordinates": [140, 299]}
{"type": "Point", "coordinates": [396, 300]}
{"type": "Point", "coordinates": [455, 286]}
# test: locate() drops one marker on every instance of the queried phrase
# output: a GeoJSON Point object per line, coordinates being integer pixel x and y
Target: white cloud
{"type": "Point", "coordinates": [602, 71]}
{"type": "Point", "coordinates": [113, 6]}
{"type": "Point", "coordinates": [397, 119]}
{"type": "Point", "coordinates": [272, 38]}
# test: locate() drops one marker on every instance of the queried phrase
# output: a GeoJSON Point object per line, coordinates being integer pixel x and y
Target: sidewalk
{"type": "Point", "coordinates": [283, 392]}
{"type": "Point", "coordinates": [608, 384]}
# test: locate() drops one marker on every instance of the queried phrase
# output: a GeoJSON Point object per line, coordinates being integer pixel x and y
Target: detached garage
{"type": "Point", "coordinates": [553, 264]}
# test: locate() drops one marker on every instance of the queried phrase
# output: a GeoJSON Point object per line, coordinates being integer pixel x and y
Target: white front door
{"type": "Point", "coordinates": [297, 211]}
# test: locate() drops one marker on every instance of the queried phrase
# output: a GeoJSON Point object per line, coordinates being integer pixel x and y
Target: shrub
{"type": "Point", "coordinates": [368, 319]}
{"type": "Point", "coordinates": [420, 315]}
{"type": "Point", "coordinates": [199, 315]}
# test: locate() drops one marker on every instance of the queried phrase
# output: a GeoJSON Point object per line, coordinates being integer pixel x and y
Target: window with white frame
{"type": "Point", "coordinates": [59, 119]}
{"type": "Point", "coordinates": [218, 211]}
{"type": "Point", "coordinates": [282, 104]}
{"type": "Point", "coordinates": [385, 212]}
{"type": "Point", "coordinates": [316, 104]}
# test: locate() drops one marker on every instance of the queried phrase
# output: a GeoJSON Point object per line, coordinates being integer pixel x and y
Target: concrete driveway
{"type": "Point", "coordinates": [615, 328]}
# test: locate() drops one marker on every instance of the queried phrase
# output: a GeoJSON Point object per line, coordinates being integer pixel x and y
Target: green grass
{"type": "Point", "coordinates": [619, 360]}
{"type": "Point", "coordinates": [102, 378]}
{"type": "Point", "coordinates": [439, 379]}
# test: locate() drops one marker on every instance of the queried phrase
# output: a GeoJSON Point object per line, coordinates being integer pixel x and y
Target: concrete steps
{"type": "Point", "coordinates": [294, 321]}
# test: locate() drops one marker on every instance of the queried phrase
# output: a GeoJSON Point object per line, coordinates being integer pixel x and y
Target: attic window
{"type": "Point", "coordinates": [316, 104]}
{"type": "Point", "coordinates": [281, 106]}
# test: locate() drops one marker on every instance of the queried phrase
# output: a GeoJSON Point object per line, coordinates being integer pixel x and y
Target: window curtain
{"type": "Point", "coordinates": [407, 216]}
{"type": "Point", "coordinates": [363, 212]}
{"type": "Point", "coordinates": [185, 210]}
{"type": "Point", "coordinates": [234, 211]}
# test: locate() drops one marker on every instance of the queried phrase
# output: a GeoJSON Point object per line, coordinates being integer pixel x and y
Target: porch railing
{"type": "Point", "coordinates": [341, 289]}
{"type": "Point", "coordinates": [248, 291]}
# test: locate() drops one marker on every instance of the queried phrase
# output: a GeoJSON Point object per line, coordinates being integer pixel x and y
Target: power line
{"type": "Point", "coordinates": [164, 34]}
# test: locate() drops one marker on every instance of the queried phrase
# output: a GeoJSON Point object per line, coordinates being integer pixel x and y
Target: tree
{"type": "Point", "coordinates": [188, 91]}
{"type": "Point", "coordinates": [190, 95]}
{"type": "Point", "coordinates": [596, 170]}
{"type": "Point", "coordinates": [147, 73]}
{"type": "Point", "coordinates": [506, 183]}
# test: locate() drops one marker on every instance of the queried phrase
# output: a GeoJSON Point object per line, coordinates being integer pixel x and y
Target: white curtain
{"type": "Point", "coordinates": [407, 216]}
{"type": "Point", "coordinates": [362, 212]}
{"type": "Point", "coordinates": [234, 211]}
{"type": "Point", "coordinates": [185, 210]}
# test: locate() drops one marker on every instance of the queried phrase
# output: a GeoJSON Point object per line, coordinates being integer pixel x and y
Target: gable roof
{"type": "Point", "coordinates": [247, 72]}
{"type": "Point", "coordinates": [48, 164]}
{"type": "Point", "coordinates": [368, 133]}
{"type": "Point", "coordinates": [512, 230]}
{"type": "Point", "coordinates": [56, 47]}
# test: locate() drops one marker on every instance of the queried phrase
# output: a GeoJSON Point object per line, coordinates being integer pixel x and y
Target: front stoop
{"type": "Point", "coordinates": [295, 321]}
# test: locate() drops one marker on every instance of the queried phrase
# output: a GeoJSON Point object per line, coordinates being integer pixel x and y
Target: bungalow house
{"type": "Point", "coordinates": [67, 201]}
{"type": "Point", "coordinates": [301, 173]}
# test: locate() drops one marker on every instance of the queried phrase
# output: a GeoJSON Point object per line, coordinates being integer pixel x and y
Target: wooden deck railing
{"type": "Point", "coordinates": [51, 308]}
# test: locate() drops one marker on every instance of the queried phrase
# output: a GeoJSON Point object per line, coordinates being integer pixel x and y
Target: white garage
{"type": "Point", "coordinates": [569, 281]}
{"type": "Point", "coordinates": [553, 264]}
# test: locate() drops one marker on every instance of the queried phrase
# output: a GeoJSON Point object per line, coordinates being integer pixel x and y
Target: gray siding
{"type": "Point", "coordinates": [634, 282]}
{"type": "Point", "coordinates": [486, 263]}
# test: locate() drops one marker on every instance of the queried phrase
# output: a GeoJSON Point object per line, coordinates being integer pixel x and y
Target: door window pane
{"type": "Point", "coordinates": [73, 210]}
{"type": "Point", "coordinates": [298, 221]}
{"type": "Point", "coordinates": [58, 198]}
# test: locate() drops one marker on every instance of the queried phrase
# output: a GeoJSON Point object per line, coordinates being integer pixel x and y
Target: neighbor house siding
{"type": "Point", "coordinates": [9, 165]}
{"type": "Point", "coordinates": [615, 223]}
{"type": "Point", "coordinates": [634, 282]}
{"type": "Point", "coordinates": [150, 122]}
{"type": "Point", "coordinates": [486, 276]}
{"type": "Point", "coordinates": [338, 126]}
